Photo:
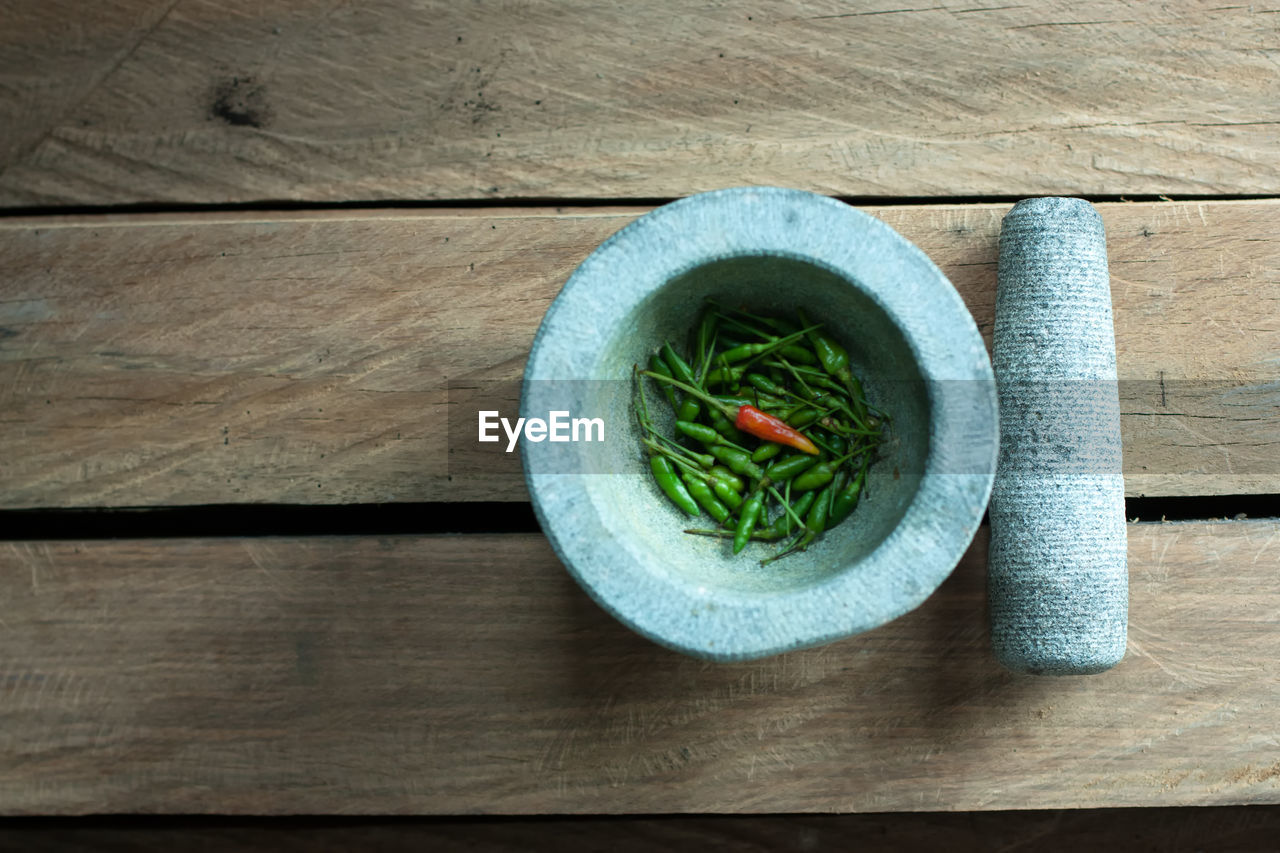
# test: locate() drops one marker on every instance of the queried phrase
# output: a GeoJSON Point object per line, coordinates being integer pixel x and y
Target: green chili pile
{"type": "Point", "coordinates": [773, 434]}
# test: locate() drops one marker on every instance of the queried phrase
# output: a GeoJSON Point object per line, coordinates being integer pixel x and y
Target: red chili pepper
{"type": "Point", "coordinates": [752, 420]}
{"type": "Point", "coordinates": [749, 419]}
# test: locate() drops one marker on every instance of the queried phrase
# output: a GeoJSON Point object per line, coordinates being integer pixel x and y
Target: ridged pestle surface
{"type": "Point", "coordinates": [1058, 583]}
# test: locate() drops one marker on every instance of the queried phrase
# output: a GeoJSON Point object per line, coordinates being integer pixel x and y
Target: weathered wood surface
{"type": "Point", "coordinates": [213, 358]}
{"type": "Point", "coordinates": [470, 675]}
{"type": "Point", "coordinates": [201, 101]}
{"type": "Point", "coordinates": [1240, 829]}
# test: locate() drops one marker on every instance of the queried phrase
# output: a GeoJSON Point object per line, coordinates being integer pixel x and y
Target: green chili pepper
{"type": "Point", "coordinates": [702, 433]}
{"type": "Point", "coordinates": [705, 460]}
{"type": "Point", "coordinates": [821, 474]}
{"type": "Point", "coordinates": [738, 461]}
{"type": "Point", "coordinates": [679, 368]}
{"type": "Point", "coordinates": [816, 520]}
{"type": "Point", "coordinates": [705, 497]}
{"type": "Point", "coordinates": [689, 408]}
{"type": "Point", "coordinates": [816, 477]}
{"type": "Point", "coordinates": [846, 500]}
{"type": "Point", "coordinates": [725, 427]}
{"type": "Point", "coordinates": [733, 480]}
{"type": "Point", "coordinates": [784, 523]}
{"type": "Point", "coordinates": [841, 480]}
{"type": "Point", "coordinates": [727, 487]}
{"type": "Point", "coordinates": [824, 399]}
{"type": "Point", "coordinates": [814, 524]}
{"type": "Point", "coordinates": [657, 365]}
{"type": "Point", "coordinates": [835, 360]}
{"type": "Point", "coordinates": [839, 446]}
{"type": "Point", "coordinates": [747, 519]}
{"type": "Point", "coordinates": [766, 451]}
{"type": "Point", "coordinates": [833, 357]}
{"type": "Point", "coordinates": [742, 352]}
{"type": "Point", "coordinates": [725, 375]}
{"type": "Point", "coordinates": [787, 467]}
{"type": "Point", "coordinates": [859, 398]}
{"type": "Point", "coordinates": [665, 474]}
{"type": "Point", "coordinates": [797, 353]}
{"type": "Point", "coordinates": [760, 401]}
{"type": "Point", "coordinates": [731, 497]}
{"type": "Point", "coordinates": [803, 418]}
{"type": "Point", "coordinates": [765, 384]}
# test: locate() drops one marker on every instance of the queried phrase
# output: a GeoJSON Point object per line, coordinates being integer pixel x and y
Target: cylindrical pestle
{"type": "Point", "coordinates": [1057, 582]}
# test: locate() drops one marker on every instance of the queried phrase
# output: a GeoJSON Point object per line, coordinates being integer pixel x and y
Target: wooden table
{"type": "Point", "coordinates": [246, 250]}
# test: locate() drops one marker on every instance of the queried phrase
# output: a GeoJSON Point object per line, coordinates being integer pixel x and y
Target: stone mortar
{"type": "Point", "coordinates": [910, 338]}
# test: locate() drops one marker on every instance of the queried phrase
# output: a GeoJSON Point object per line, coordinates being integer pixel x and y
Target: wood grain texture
{"type": "Point", "coordinates": [204, 101]}
{"type": "Point", "coordinates": [225, 358]}
{"type": "Point", "coordinates": [1240, 829]}
{"type": "Point", "coordinates": [470, 675]}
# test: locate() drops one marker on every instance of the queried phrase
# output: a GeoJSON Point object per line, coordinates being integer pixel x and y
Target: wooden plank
{"type": "Point", "coordinates": [1236, 828]}
{"type": "Point", "coordinates": [215, 358]}
{"type": "Point", "coordinates": [155, 100]}
{"type": "Point", "coordinates": [469, 674]}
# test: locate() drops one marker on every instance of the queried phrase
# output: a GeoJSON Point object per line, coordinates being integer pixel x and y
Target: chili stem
{"type": "Point", "coordinates": [704, 359]}
{"type": "Point", "coordinates": [644, 403]}
{"type": "Point", "coordinates": [822, 444]}
{"type": "Point", "coordinates": [721, 533]}
{"type": "Point", "coordinates": [786, 506]}
{"type": "Point", "coordinates": [790, 367]}
{"type": "Point", "coordinates": [755, 317]}
{"type": "Point", "coordinates": [798, 544]}
{"type": "Point", "coordinates": [682, 461]}
{"type": "Point", "coordinates": [729, 412]}
{"type": "Point", "coordinates": [777, 344]}
{"type": "Point", "coordinates": [741, 325]}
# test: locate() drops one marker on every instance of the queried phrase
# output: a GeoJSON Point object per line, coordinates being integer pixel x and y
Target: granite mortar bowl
{"type": "Point", "coordinates": [910, 339]}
